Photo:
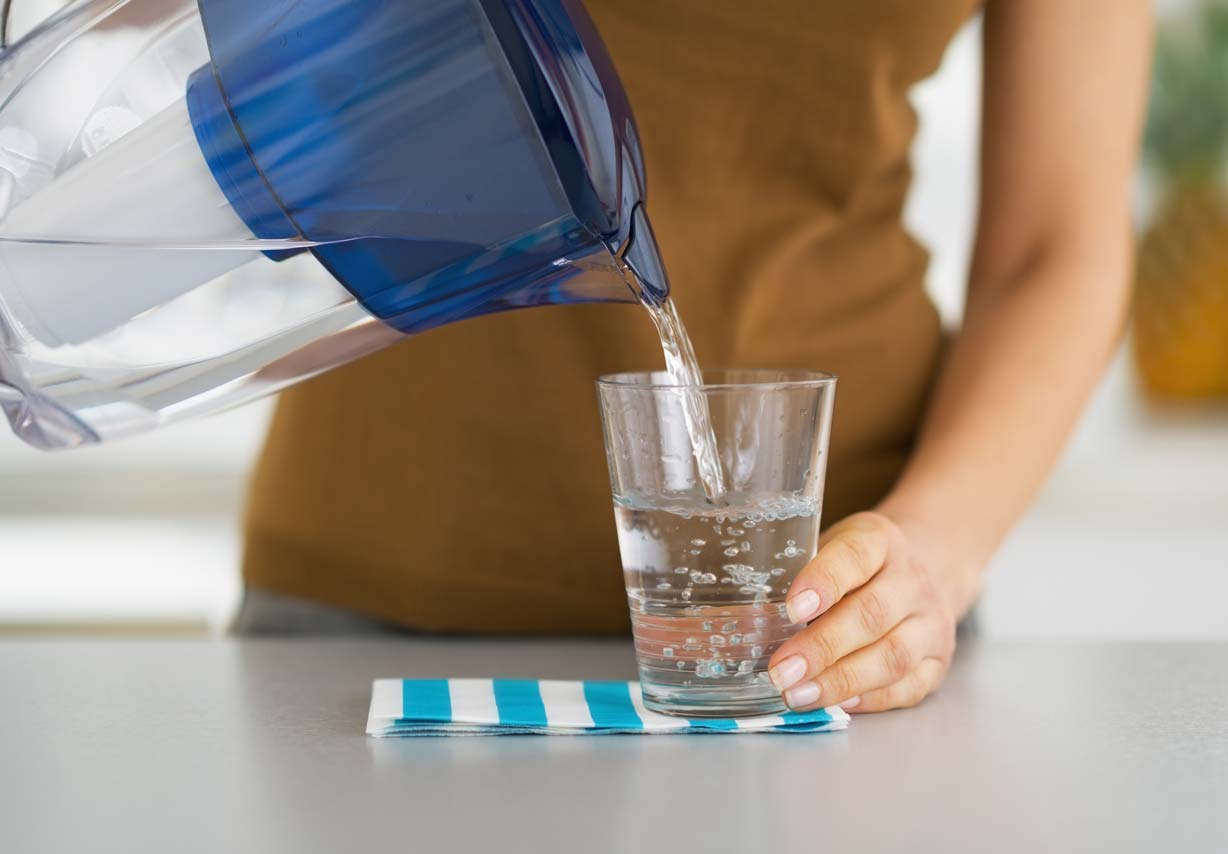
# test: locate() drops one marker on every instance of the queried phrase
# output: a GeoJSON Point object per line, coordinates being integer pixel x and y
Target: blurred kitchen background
{"type": "Point", "coordinates": [1129, 539]}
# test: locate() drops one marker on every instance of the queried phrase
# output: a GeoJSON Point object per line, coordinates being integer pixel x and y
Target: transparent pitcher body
{"type": "Point", "coordinates": [203, 201]}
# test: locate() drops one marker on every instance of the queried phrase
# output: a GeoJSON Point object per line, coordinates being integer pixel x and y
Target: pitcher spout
{"type": "Point", "coordinates": [642, 258]}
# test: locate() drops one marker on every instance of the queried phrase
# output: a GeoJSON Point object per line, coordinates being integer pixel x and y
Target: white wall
{"type": "Point", "coordinates": [139, 532]}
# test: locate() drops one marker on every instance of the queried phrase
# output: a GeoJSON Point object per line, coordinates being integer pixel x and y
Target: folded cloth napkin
{"type": "Point", "coordinates": [402, 707]}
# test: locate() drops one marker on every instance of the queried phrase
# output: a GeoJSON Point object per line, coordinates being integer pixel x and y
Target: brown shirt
{"type": "Point", "coordinates": [457, 482]}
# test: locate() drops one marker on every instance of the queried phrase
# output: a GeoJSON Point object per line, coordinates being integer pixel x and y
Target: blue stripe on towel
{"type": "Point", "coordinates": [426, 700]}
{"type": "Point", "coordinates": [713, 723]}
{"type": "Point", "coordinates": [814, 716]}
{"type": "Point", "coordinates": [519, 702]}
{"type": "Point", "coordinates": [609, 704]}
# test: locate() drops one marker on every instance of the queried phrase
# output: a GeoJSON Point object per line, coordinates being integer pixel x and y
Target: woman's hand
{"type": "Point", "coordinates": [882, 621]}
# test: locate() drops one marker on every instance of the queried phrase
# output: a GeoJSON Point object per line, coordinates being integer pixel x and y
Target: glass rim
{"type": "Point", "coordinates": [787, 378]}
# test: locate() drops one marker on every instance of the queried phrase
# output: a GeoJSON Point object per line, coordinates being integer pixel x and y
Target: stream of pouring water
{"type": "Point", "coordinates": [683, 370]}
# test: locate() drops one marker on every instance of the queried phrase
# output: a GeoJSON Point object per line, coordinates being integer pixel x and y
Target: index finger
{"type": "Point", "coordinates": [853, 552]}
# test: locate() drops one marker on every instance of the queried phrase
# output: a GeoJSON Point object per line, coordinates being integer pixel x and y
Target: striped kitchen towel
{"type": "Point", "coordinates": [402, 707]}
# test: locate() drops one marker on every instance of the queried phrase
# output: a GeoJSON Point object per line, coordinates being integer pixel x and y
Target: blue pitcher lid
{"type": "Point", "coordinates": [412, 142]}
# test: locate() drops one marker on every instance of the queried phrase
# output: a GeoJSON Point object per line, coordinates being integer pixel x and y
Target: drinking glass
{"type": "Point", "coordinates": [707, 578]}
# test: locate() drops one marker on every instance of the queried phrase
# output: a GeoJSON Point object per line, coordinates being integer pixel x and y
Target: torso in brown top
{"type": "Point", "coordinates": [457, 481]}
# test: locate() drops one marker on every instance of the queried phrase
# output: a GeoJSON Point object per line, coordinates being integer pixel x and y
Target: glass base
{"type": "Point", "coordinates": [715, 707]}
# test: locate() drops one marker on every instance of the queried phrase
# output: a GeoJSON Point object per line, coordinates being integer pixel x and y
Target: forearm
{"type": "Point", "coordinates": [1017, 376]}
{"type": "Point", "coordinates": [1049, 284]}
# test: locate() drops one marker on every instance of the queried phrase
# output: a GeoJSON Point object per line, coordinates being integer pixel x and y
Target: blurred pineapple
{"type": "Point", "coordinates": [1180, 314]}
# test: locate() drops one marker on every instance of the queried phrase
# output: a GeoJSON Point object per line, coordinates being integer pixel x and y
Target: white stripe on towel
{"type": "Point", "coordinates": [473, 701]}
{"type": "Point", "coordinates": [759, 723]}
{"type": "Point", "coordinates": [653, 720]}
{"type": "Point", "coordinates": [565, 703]}
{"type": "Point", "coordinates": [386, 698]}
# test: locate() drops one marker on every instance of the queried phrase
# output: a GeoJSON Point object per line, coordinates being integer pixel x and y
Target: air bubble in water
{"type": "Point", "coordinates": [732, 551]}
{"type": "Point", "coordinates": [707, 626]}
{"type": "Point", "coordinates": [668, 652]}
{"type": "Point", "coordinates": [734, 532]}
{"type": "Point", "coordinates": [760, 622]}
{"type": "Point", "coordinates": [717, 640]}
{"type": "Point", "coordinates": [778, 570]}
{"type": "Point", "coordinates": [729, 627]}
{"type": "Point", "coordinates": [709, 668]}
{"type": "Point", "coordinates": [728, 542]}
{"type": "Point", "coordinates": [699, 542]}
{"type": "Point", "coordinates": [735, 639]}
{"type": "Point", "coordinates": [664, 585]}
{"type": "Point", "coordinates": [745, 574]}
{"type": "Point", "coordinates": [746, 666]}
{"type": "Point", "coordinates": [681, 570]}
{"type": "Point", "coordinates": [756, 651]}
{"type": "Point", "coordinates": [686, 594]}
{"type": "Point", "coordinates": [681, 665]}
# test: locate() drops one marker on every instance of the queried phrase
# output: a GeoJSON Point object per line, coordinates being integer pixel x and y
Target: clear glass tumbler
{"type": "Point", "coordinates": [706, 580]}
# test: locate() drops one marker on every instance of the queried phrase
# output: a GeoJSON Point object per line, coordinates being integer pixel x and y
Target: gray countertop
{"type": "Point", "coordinates": [258, 746]}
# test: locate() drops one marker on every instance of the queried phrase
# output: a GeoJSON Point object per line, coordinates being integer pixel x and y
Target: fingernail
{"type": "Point", "coordinates": [803, 695]}
{"type": "Point", "coordinates": [803, 606]}
{"type": "Point", "coordinates": [788, 673]}
{"type": "Point", "coordinates": [850, 703]}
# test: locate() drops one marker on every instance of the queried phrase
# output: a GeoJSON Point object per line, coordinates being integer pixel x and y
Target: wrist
{"type": "Point", "coordinates": [940, 544]}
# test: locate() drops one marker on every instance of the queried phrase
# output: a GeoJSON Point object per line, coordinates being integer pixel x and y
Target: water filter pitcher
{"type": "Point", "coordinates": [203, 201]}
